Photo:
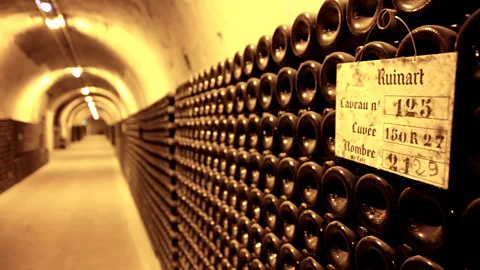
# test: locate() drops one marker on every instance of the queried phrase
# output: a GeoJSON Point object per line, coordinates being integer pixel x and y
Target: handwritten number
{"type": "Point", "coordinates": [433, 167]}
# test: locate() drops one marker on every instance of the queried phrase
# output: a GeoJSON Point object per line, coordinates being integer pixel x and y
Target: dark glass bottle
{"type": "Point", "coordinates": [372, 253]}
{"type": "Point", "coordinates": [328, 134]}
{"type": "Point", "coordinates": [266, 94]}
{"type": "Point", "coordinates": [254, 131]}
{"type": "Point", "coordinates": [286, 88]}
{"type": "Point", "coordinates": [362, 15]}
{"type": "Point", "coordinates": [470, 236]}
{"type": "Point", "coordinates": [263, 58]}
{"type": "Point", "coordinates": [337, 191]}
{"type": "Point", "coordinates": [303, 40]}
{"type": "Point", "coordinates": [310, 263]}
{"type": "Point", "coordinates": [231, 127]}
{"type": "Point", "coordinates": [468, 47]}
{"type": "Point", "coordinates": [309, 134]}
{"type": "Point", "coordinates": [254, 166]}
{"type": "Point", "coordinates": [268, 132]}
{"type": "Point", "coordinates": [232, 193]}
{"type": "Point", "coordinates": [231, 160]}
{"type": "Point", "coordinates": [340, 245]}
{"type": "Point", "coordinates": [270, 248]}
{"type": "Point", "coordinates": [255, 239]}
{"type": "Point", "coordinates": [257, 264]}
{"type": "Point", "coordinates": [243, 192]}
{"type": "Point", "coordinates": [282, 53]}
{"type": "Point", "coordinates": [238, 64]}
{"type": "Point", "coordinates": [424, 217]}
{"type": "Point", "coordinates": [375, 50]}
{"type": "Point", "coordinates": [244, 258]}
{"type": "Point", "coordinates": [243, 230]}
{"type": "Point", "coordinates": [287, 172]}
{"type": "Point", "coordinates": [229, 70]}
{"type": "Point", "coordinates": [220, 100]}
{"type": "Point", "coordinates": [288, 215]}
{"type": "Point", "coordinates": [229, 99]}
{"type": "Point", "coordinates": [308, 81]}
{"type": "Point", "coordinates": [374, 201]}
{"type": "Point", "coordinates": [268, 175]}
{"type": "Point", "coordinates": [289, 257]}
{"type": "Point", "coordinates": [328, 74]}
{"type": "Point", "coordinates": [240, 97]}
{"type": "Point", "coordinates": [310, 232]}
{"type": "Point", "coordinates": [332, 30]}
{"type": "Point", "coordinates": [221, 70]}
{"type": "Point", "coordinates": [213, 74]}
{"type": "Point", "coordinates": [234, 249]}
{"type": "Point", "coordinates": [241, 131]}
{"type": "Point", "coordinates": [271, 205]}
{"type": "Point", "coordinates": [252, 94]}
{"type": "Point", "coordinates": [309, 179]}
{"type": "Point", "coordinates": [287, 133]}
{"type": "Point", "coordinates": [249, 60]}
{"type": "Point", "coordinates": [420, 263]}
{"type": "Point", "coordinates": [429, 39]}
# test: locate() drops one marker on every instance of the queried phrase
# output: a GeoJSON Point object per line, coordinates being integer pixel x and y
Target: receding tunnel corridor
{"type": "Point", "coordinates": [74, 213]}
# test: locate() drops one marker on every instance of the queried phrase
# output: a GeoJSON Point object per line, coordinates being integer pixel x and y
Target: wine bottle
{"type": "Point", "coordinates": [233, 217]}
{"type": "Point", "coordinates": [288, 215]}
{"type": "Point", "coordinates": [328, 134]}
{"type": "Point", "coordinates": [244, 230]}
{"type": "Point", "coordinates": [268, 132]}
{"type": "Point", "coordinates": [268, 175]}
{"type": "Point", "coordinates": [310, 230]}
{"type": "Point", "coordinates": [231, 127]}
{"type": "Point", "coordinates": [234, 249]}
{"type": "Point", "coordinates": [229, 99]}
{"type": "Point", "coordinates": [287, 133]}
{"type": "Point", "coordinates": [241, 131]}
{"type": "Point", "coordinates": [470, 236]}
{"type": "Point", "coordinates": [266, 94]}
{"type": "Point", "coordinates": [270, 248]}
{"type": "Point", "coordinates": [257, 264]}
{"type": "Point", "coordinates": [254, 165]}
{"type": "Point", "coordinates": [289, 257]}
{"type": "Point", "coordinates": [238, 64]}
{"type": "Point", "coordinates": [467, 45]}
{"type": "Point", "coordinates": [281, 50]}
{"type": "Point", "coordinates": [241, 166]}
{"type": "Point", "coordinates": [337, 191]}
{"type": "Point", "coordinates": [374, 202]}
{"type": "Point", "coordinates": [310, 263]}
{"type": "Point", "coordinates": [213, 74]}
{"type": "Point", "coordinates": [286, 84]}
{"type": "Point", "coordinates": [240, 97]}
{"type": "Point", "coordinates": [252, 94]}
{"type": "Point", "coordinates": [375, 50]}
{"type": "Point", "coordinates": [424, 217]}
{"type": "Point", "coordinates": [221, 70]}
{"type": "Point", "coordinates": [429, 39]}
{"type": "Point", "coordinates": [229, 70]}
{"type": "Point", "coordinates": [231, 160]}
{"type": "Point", "coordinates": [254, 131]}
{"type": "Point", "coordinates": [271, 205]}
{"type": "Point", "coordinates": [303, 39]}
{"type": "Point", "coordinates": [361, 15]}
{"type": "Point", "coordinates": [250, 67]}
{"type": "Point", "coordinates": [256, 205]}
{"type": "Point", "coordinates": [263, 57]}
{"type": "Point", "coordinates": [328, 73]}
{"type": "Point", "coordinates": [255, 239]}
{"type": "Point", "coordinates": [307, 87]}
{"type": "Point", "coordinates": [244, 258]}
{"type": "Point", "coordinates": [420, 262]}
{"type": "Point", "coordinates": [243, 192]}
{"type": "Point", "coordinates": [340, 244]}
{"type": "Point", "coordinates": [220, 101]}
{"type": "Point", "coordinates": [332, 30]}
{"type": "Point", "coordinates": [309, 179]}
{"type": "Point", "coordinates": [309, 134]}
{"type": "Point", "coordinates": [372, 253]}
{"type": "Point", "coordinates": [287, 171]}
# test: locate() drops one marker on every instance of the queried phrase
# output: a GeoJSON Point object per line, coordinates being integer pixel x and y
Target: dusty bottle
{"type": "Point", "coordinates": [240, 97]}
{"type": "Point", "coordinates": [375, 50]}
{"type": "Point", "coordinates": [244, 258]}
{"type": "Point", "coordinates": [221, 70]}
{"type": "Point", "coordinates": [289, 257]}
{"type": "Point", "coordinates": [310, 263]}
{"type": "Point", "coordinates": [361, 15]}
{"type": "Point", "coordinates": [303, 40]}
{"type": "Point", "coordinates": [257, 264]}
{"type": "Point", "coordinates": [256, 205]}
{"type": "Point", "coordinates": [266, 94]}
{"type": "Point", "coordinates": [255, 239]}
{"type": "Point", "coordinates": [467, 45]}
{"type": "Point", "coordinates": [250, 67]}
{"type": "Point", "coordinates": [310, 230]}
{"type": "Point", "coordinates": [229, 99]}
{"type": "Point", "coordinates": [241, 131]}
{"type": "Point", "coordinates": [287, 171]}
{"type": "Point", "coordinates": [268, 175]}
{"type": "Point", "coordinates": [243, 230]}
{"type": "Point", "coordinates": [229, 70]}
{"type": "Point", "coordinates": [287, 133]}
{"type": "Point", "coordinates": [233, 217]}
{"type": "Point", "coordinates": [372, 253]}
{"type": "Point", "coordinates": [254, 165]}
{"type": "Point", "coordinates": [309, 177]}
{"type": "Point", "coordinates": [307, 84]}
{"type": "Point", "coordinates": [328, 74]}
{"type": "Point", "coordinates": [470, 222]}
{"type": "Point", "coordinates": [243, 192]}
{"type": "Point", "coordinates": [231, 160]}
{"type": "Point", "coordinates": [213, 74]}
{"type": "Point", "coordinates": [263, 58]}
{"type": "Point", "coordinates": [281, 50]}
{"type": "Point", "coordinates": [288, 215]}
{"type": "Point", "coordinates": [429, 39]}
{"type": "Point", "coordinates": [270, 248]}
{"type": "Point", "coordinates": [254, 131]}
{"type": "Point", "coordinates": [374, 202]}
{"type": "Point", "coordinates": [238, 63]}
{"type": "Point", "coordinates": [241, 166]}
{"type": "Point", "coordinates": [337, 191]}
{"type": "Point", "coordinates": [309, 134]}
{"type": "Point", "coordinates": [420, 262]}
{"type": "Point", "coordinates": [271, 205]}
{"type": "Point", "coordinates": [231, 127]}
{"type": "Point", "coordinates": [268, 132]}
{"type": "Point", "coordinates": [424, 217]}
{"type": "Point", "coordinates": [286, 88]}
{"type": "Point", "coordinates": [234, 249]}
{"type": "Point", "coordinates": [340, 245]}
{"type": "Point", "coordinates": [328, 134]}
{"type": "Point", "coordinates": [252, 94]}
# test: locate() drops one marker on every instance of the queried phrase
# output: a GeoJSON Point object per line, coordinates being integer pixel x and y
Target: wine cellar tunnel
{"type": "Point", "coordinates": [181, 134]}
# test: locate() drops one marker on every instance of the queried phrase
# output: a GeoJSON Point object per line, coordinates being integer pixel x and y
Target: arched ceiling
{"type": "Point", "coordinates": [137, 49]}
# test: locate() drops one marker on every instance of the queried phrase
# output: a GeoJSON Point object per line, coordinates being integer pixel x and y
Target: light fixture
{"type": "Point", "coordinates": [45, 6]}
{"type": "Point", "coordinates": [88, 99]}
{"type": "Point", "coordinates": [56, 22]}
{"type": "Point", "coordinates": [77, 72]}
{"type": "Point", "coordinates": [85, 91]}
{"type": "Point", "coordinates": [91, 105]}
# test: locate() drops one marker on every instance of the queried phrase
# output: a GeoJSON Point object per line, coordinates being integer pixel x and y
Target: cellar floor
{"type": "Point", "coordinates": [74, 213]}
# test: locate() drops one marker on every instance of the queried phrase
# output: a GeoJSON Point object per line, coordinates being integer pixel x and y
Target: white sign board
{"type": "Point", "coordinates": [396, 115]}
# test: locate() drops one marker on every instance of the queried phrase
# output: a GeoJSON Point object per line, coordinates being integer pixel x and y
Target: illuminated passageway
{"type": "Point", "coordinates": [74, 213]}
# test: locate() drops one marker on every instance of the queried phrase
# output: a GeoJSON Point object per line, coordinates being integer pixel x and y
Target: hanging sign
{"type": "Point", "coordinates": [396, 115]}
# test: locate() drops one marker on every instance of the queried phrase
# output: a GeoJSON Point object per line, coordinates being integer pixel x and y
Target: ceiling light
{"type": "Point", "coordinates": [77, 72]}
{"type": "Point", "coordinates": [91, 105]}
{"type": "Point", "coordinates": [88, 99]}
{"type": "Point", "coordinates": [45, 6]}
{"type": "Point", "coordinates": [56, 22]}
{"type": "Point", "coordinates": [85, 91]}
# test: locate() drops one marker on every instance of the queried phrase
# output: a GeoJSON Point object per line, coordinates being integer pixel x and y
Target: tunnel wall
{"type": "Point", "coordinates": [22, 151]}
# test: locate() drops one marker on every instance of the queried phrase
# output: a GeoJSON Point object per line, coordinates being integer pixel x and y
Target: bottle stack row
{"type": "Point", "coordinates": [259, 185]}
{"type": "Point", "coordinates": [145, 145]}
